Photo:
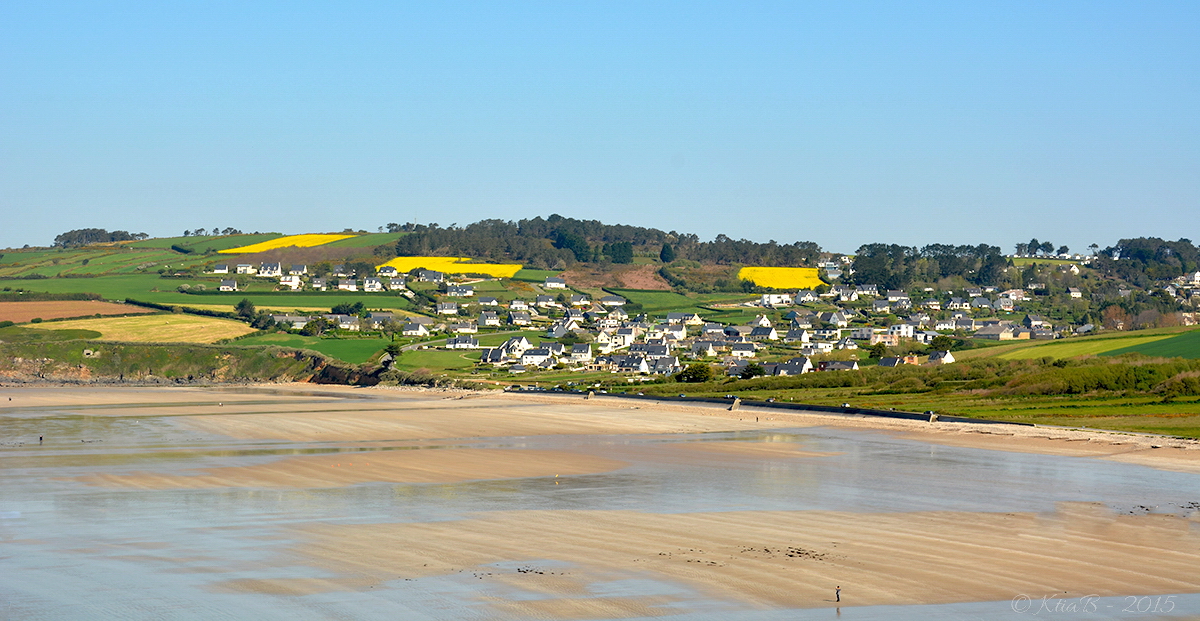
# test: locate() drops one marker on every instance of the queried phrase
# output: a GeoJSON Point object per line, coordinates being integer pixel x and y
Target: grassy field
{"type": "Point", "coordinates": [20, 312]}
{"type": "Point", "coordinates": [1099, 344]}
{"type": "Point", "coordinates": [370, 240]}
{"type": "Point", "coordinates": [21, 334]}
{"type": "Point", "coordinates": [138, 286]}
{"type": "Point", "coordinates": [93, 261]}
{"type": "Point", "coordinates": [1148, 414]}
{"type": "Point", "coordinates": [1079, 347]}
{"type": "Point", "coordinates": [203, 243]}
{"type": "Point", "coordinates": [438, 360]}
{"type": "Point", "coordinates": [167, 328]}
{"type": "Point", "coordinates": [535, 276]}
{"type": "Point", "coordinates": [654, 301]}
{"type": "Point", "coordinates": [1186, 345]}
{"type": "Point", "coordinates": [351, 350]}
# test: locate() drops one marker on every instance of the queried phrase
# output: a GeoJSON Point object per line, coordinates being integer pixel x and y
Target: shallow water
{"type": "Point", "coordinates": [73, 551]}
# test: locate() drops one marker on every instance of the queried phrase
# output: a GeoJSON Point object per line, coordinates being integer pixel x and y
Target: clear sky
{"type": "Point", "coordinates": [839, 123]}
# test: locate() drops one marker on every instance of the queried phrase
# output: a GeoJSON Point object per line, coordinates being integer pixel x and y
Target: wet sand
{"type": "Point", "coordinates": [337, 444]}
{"type": "Point", "coordinates": [789, 559]}
{"type": "Point", "coordinates": [341, 469]}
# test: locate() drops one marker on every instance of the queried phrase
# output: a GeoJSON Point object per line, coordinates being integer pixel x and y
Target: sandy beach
{"type": "Point", "coordinates": [546, 561]}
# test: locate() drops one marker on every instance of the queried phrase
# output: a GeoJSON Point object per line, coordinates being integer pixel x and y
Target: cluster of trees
{"type": "Point", "coordinates": [1036, 247]}
{"type": "Point", "coordinates": [215, 231]}
{"type": "Point", "coordinates": [557, 241]}
{"type": "Point", "coordinates": [258, 319]}
{"type": "Point", "coordinates": [892, 266]}
{"type": "Point", "coordinates": [83, 237]}
{"type": "Point", "coordinates": [1143, 260]}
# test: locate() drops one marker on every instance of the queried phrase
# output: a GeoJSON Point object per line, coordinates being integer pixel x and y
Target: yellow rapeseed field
{"type": "Point", "coordinates": [300, 241]}
{"type": "Point", "coordinates": [781, 277]}
{"type": "Point", "coordinates": [173, 328]}
{"type": "Point", "coordinates": [454, 265]}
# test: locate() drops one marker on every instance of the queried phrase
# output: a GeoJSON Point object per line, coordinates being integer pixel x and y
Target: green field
{"type": "Point", "coordinates": [1186, 345]}
{"type": "Point", "coordinates": [1079, 347]}
{"type": "Point", "coordinates": [438, 360]}
{"type": "Point", "coordinates": [370, 240]}
{"type": "Point", "coordinates": [19, 334]}
{"type": "Point", "coordinates": [143, 287]}
{"type": "Point", "coordinates": [653, 301]}
{"type": "Point", "coordinates": [536, 276]}
{"type": "Point", "coordinates": [204, 243]}
{"type": "Point", "coordinates": [351, 350]}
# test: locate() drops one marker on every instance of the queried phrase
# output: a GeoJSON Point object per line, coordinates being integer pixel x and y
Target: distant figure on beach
{"type": "Point", "coordinates": [838, 593]}
{"type": "Point", "coordinates": [39, 439]}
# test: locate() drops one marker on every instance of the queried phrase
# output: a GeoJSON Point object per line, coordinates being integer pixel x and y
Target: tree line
{"type": "Point", "coordinates": [84, 237]}
{"type": "Point", "coordinates": [893, 266]}
{"type": "Point", "coordinates": [557, 242]}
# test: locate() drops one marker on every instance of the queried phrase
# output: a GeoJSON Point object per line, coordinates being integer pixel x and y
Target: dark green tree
{"type": "Point", "coordinates": [620, 252]}
{"type": "Point", "coordinates": [667, 254]}
{"type": "Point", "coordinates": [878, 350]}
{"type": "Point", "coordinates": [244, 309]}
{"type": "Point", "coordinates": [941, 343]}
{"type": "Point", "coordinates": [695, 374]}
{"type": "Point", "coordinates": [752, 370]}
{"type": "Point", "coordinates": [348, 308]}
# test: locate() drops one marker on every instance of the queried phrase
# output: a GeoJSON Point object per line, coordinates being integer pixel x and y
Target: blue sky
{"type": "Point", "coordinates": [839, 123]}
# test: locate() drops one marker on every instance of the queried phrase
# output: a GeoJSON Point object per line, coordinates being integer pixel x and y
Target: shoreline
{"type": "Point", "coordinates": [543, 500]}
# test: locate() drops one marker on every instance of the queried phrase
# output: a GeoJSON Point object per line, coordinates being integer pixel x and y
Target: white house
{"type": "Point", "coordinates": [414, 329]}
{"type": "Point", "coordinates": [228, 285]}
{"type": "Point", "coordinates": [489, 318]}
{"type": "Point", "coordinates": [941, 357]}
{"type": "Point", "coordinates": [902, 330]}
{"type": "Point", "coordinates": [347, 284]}
{"type": "Point", "coordinates": [245, 268]}
{"type": "Point", "coordinates": [270, 270]}
{"type": "Point", "coordinates": [742, 350]}
{"type": "Point", "coordinates": [298, 270]}
{"type": "Point", "coordinates": [372, 284]}
{"type": "Point", "coordinates": [447, 308]}
{"type": "Point", "coordinates": [460, 291]}
{"type": "Point", "coordinates": [220, 269]}
{"type": "Point", "coordinates": [462, 342]}
{"type": "Point", "coordinates": [555, 282]}
{"type": "Point", "coordinates": [776, 299]}
{"type": "Point", "coordinates": [292, 282]}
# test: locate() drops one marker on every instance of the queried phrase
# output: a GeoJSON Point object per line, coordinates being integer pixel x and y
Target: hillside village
{"type": "Point", "coordinates": [831, 328]}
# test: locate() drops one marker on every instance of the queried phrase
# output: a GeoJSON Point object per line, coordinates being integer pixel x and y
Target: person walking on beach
{"type": "Point", "coordinates": [39, 439]}
{"type": "Point", "coordinates": [837, 593]}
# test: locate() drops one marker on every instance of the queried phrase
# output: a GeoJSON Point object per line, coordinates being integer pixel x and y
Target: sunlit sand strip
{"type": "Point", "coordinates": [350, 468]}
{"type": "Point", "coordinates": [791, 559]}
{"type": "Point", "coordinates": [455, 419]}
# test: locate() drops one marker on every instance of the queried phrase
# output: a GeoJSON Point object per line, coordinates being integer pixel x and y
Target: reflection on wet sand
{"type": "Point", "coordinates": [350, 468]}
{"type": "Point", "coordinates": [294, 503]}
